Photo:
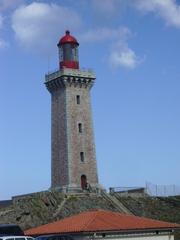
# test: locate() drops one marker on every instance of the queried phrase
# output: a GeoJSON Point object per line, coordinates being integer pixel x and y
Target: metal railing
{"type": "Point", "coordinates": [70, 72]}
{"type": "Point", "coordinates": [126, 189]}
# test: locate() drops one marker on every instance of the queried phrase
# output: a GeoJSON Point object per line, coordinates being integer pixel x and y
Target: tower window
{"type": "Point", "coordinates": [82, 156]}
{"type": "Point", "coordinates": [78, 99]}
{"type": "Point", "coordinates": [80, 127]}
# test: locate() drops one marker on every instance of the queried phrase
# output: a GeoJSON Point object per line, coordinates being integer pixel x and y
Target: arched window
{"type": "Point", "coordinates": [82, 156]}
{"type": "Point", "coordinates": [78, 99]}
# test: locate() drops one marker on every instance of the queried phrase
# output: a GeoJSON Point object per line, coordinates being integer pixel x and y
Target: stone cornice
{"type": "Point", "coordinates": [69, 77]}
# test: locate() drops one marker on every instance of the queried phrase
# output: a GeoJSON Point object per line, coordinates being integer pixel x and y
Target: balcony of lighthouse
{"type": "Point", "coordinates": [78, 74]}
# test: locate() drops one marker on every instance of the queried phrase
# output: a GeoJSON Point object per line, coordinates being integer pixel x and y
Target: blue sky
{"type": "Point", "coordinates": [133, 46]}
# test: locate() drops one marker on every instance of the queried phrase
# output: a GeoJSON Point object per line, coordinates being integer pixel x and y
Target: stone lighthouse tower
{"type": "Point", "coordinates": [73, 163]}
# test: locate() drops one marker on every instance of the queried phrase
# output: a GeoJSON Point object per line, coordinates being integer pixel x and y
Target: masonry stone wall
{"type": "Point", "coordinates": [59, 156]}
{"type": "Point", "coordinates": [80, 141]}
{"type": "Point", "coordinates": [68, 142]}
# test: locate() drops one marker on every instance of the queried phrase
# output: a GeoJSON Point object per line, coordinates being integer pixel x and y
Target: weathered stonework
{"type": "Point", "coordinates": [67, 141]}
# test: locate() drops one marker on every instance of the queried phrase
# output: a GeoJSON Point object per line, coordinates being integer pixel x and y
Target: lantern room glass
{"type": "Point", "coordinates": [68, 52]}
{"type": "Point", "coordinates": [60, 54]}
{"type": "Point", "coordinates": [75, 53]}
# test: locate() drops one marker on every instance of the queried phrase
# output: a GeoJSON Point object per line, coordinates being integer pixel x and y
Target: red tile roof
{"type": "Point", "coordinates": [100, 220]}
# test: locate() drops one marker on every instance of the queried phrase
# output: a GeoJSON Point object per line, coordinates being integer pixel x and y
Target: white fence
{"type": "Point", "coordinates": [162, 190]}
{"type": "Point", "coordinates": [150, 189]}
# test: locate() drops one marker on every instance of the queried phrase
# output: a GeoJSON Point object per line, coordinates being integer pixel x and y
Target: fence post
{"type": "Point", "coordinates": [174, 189]}
{"type": "Point", "coordinates": [156, 190]}
{"type": "Point", "coordinates": [165, 190]}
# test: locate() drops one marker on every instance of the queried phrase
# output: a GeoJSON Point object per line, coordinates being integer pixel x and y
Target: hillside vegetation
{"type": "Point", "coordinates": [160, 208]}
{"type": "Point", "coordinates": [44, 207]}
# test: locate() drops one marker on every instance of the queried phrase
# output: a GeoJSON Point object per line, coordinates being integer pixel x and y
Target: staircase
{"type": "Point", "coordinates": [58, 210]}
{"type": "Point", "coordinates": [116, 203]}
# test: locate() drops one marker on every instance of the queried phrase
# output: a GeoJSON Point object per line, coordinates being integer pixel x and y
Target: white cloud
{"type": "Point", "coordinates": [37, 26]}
{"type": "Point", "coordinates": [108, 7]}
{"type": "Point", "coordinates": [122, 56]}
{"type": "Point", "coordinates": [103, 34]}
{"type": "Point", "coordinates": [1, 21]}
{"type": "Point", "coordinates": [9, 4]}
{"type": "Point", "coordinates": [3, 44]}
{"type": "Point", "coordinates": [169, 10]}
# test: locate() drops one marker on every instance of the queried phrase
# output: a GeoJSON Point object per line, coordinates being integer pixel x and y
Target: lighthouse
{"type": "Point", "coordinates": [73, 158]}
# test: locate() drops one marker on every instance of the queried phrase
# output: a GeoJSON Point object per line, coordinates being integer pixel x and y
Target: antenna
{"type": "Point", "coordinates": [48, 63]}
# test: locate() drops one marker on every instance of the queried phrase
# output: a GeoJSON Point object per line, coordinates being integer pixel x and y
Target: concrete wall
{"type": "Point", "coordinates": [140, 236]}
{"type": "Point", "coordinates": [146, 237]}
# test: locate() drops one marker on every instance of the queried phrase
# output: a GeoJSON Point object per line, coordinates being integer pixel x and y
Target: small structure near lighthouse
{"type": "Point", "coordinates": [73, 160]}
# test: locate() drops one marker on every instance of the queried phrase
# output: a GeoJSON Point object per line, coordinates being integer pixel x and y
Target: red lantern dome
{"type": "Point", "coordinates": [68, 52]}
{"type": "Point", "coordinates": [68, 39]}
